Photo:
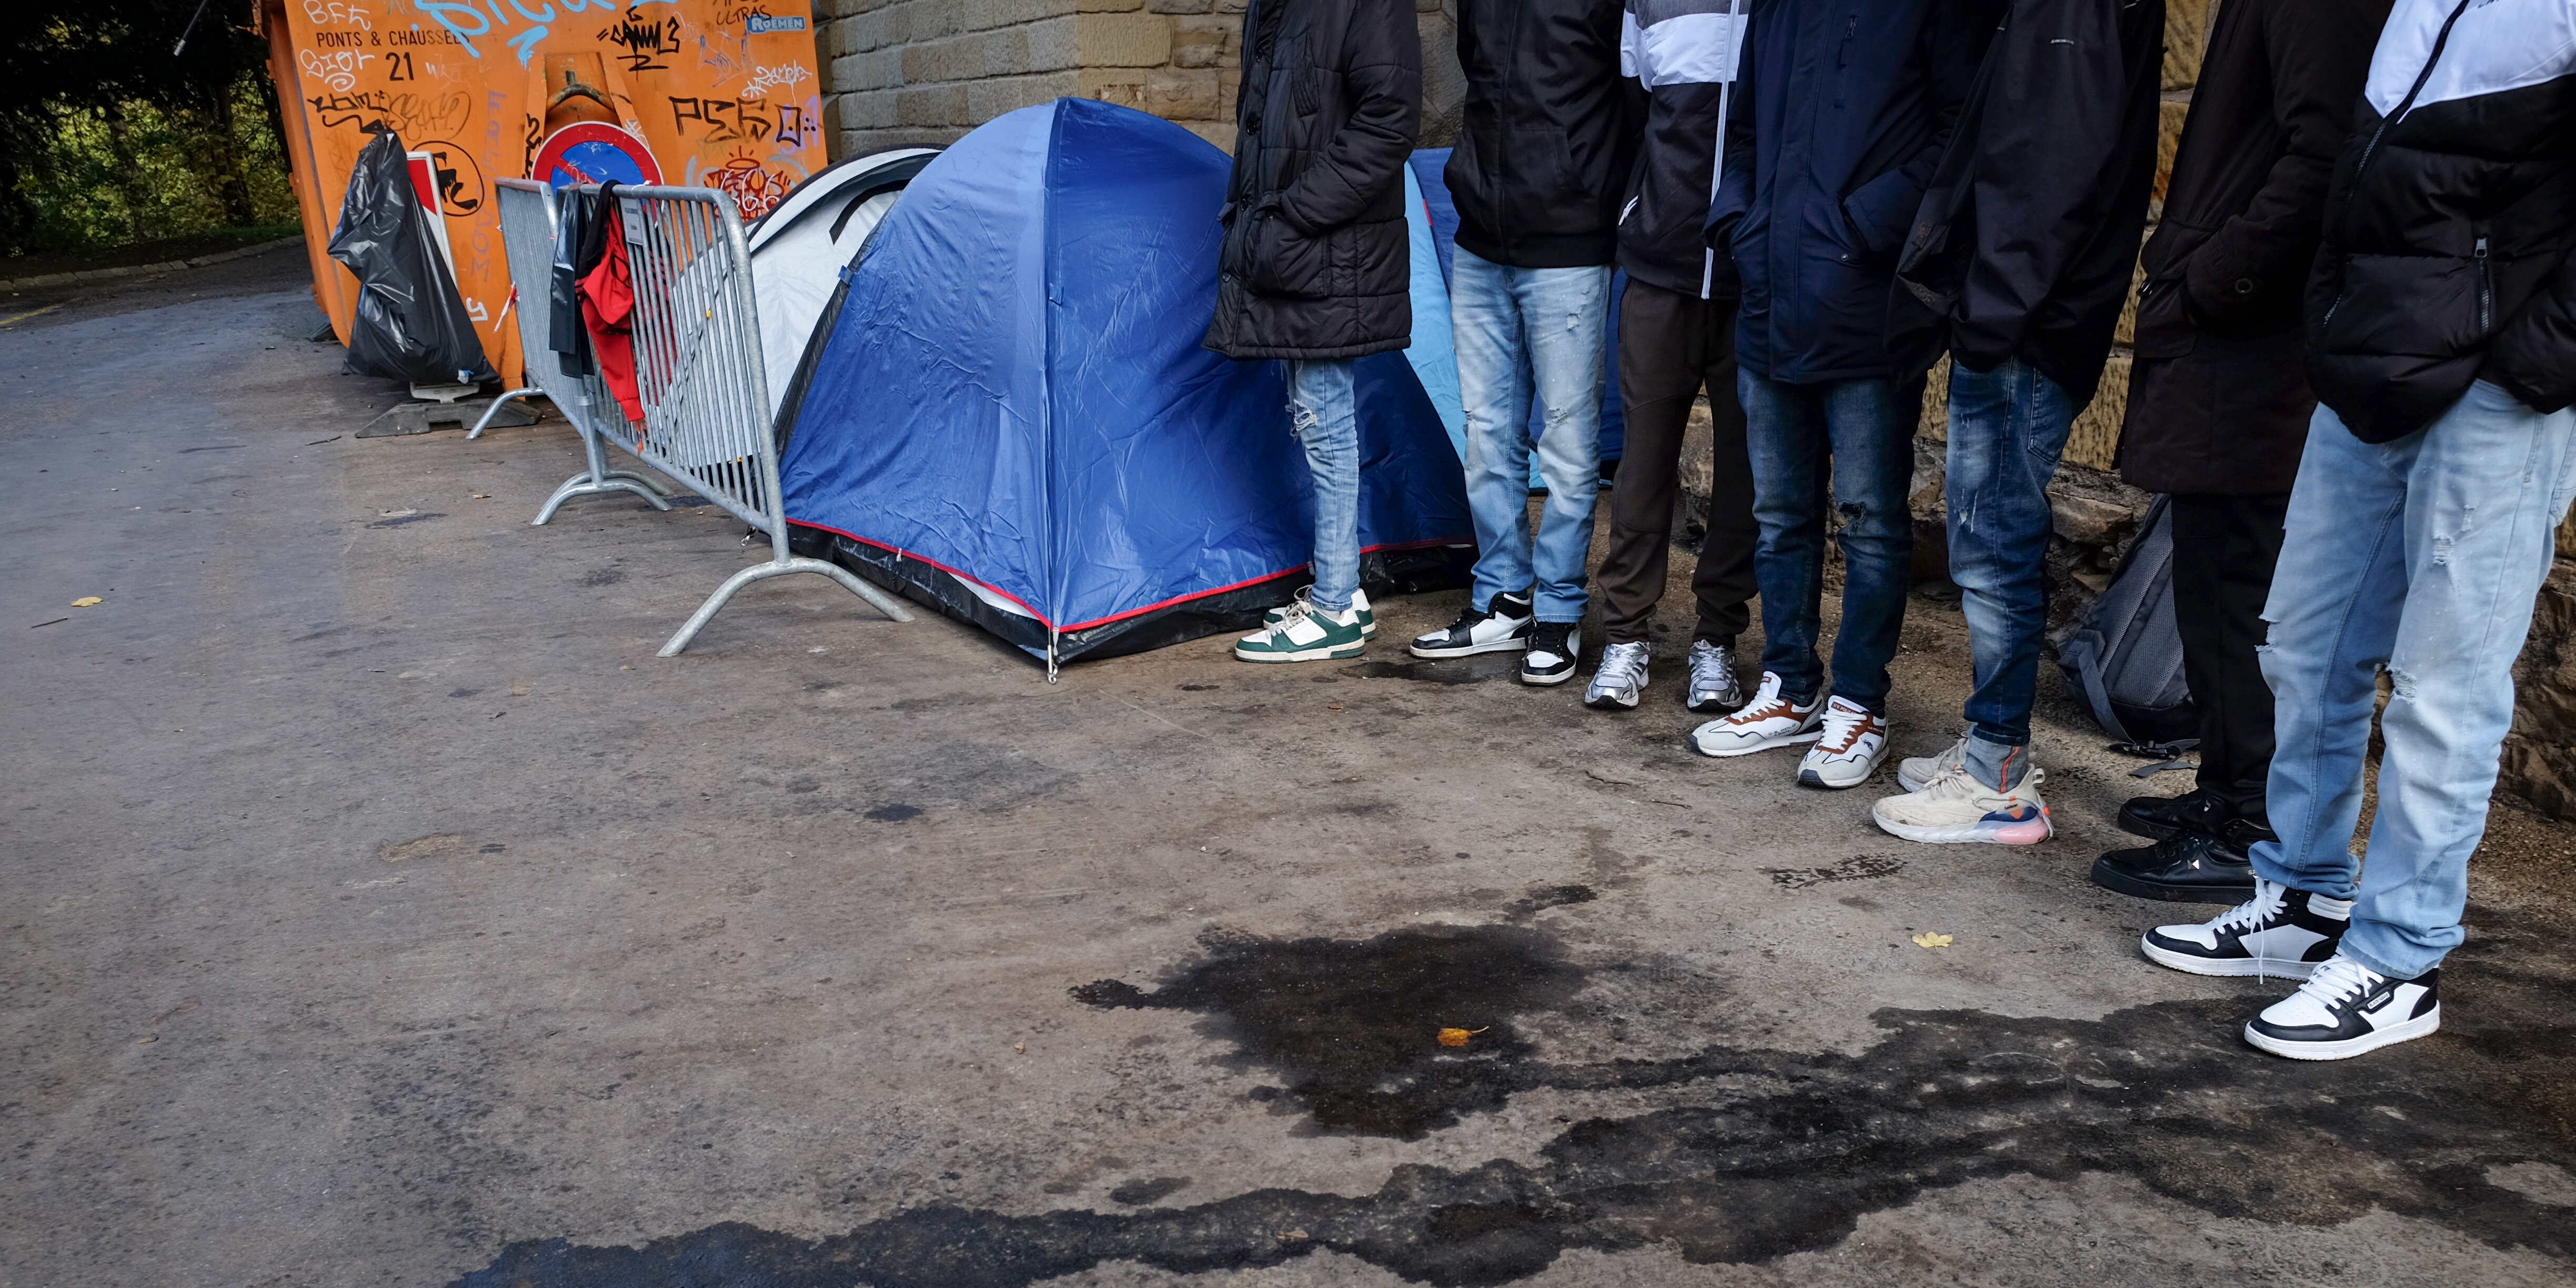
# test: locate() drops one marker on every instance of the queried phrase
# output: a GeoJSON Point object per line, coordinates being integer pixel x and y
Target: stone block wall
{"type": "Point", "coordinates": [926, 71]}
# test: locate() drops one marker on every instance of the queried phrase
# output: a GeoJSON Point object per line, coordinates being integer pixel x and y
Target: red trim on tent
{"type": "Point", "coordinates": [1113, 617]}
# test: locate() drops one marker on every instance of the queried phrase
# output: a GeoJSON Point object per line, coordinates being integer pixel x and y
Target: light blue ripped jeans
{"type": "Point", "coordinates": [1522, 332]}
{"type": "Point", "coordinates": [2422, 555]}
{"type": "Point", "coordinates": [1324, 414]}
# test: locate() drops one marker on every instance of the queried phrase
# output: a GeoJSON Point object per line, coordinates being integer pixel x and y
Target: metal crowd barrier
{"type": "Point", "coordinates": [528, 226]}
{"type": "Point", "coordinates": [705, 391]}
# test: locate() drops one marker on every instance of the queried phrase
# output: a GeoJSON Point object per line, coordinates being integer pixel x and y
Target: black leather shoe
{"type": "Point", "coordinates": [2157, 817]}
{"type": "Point", "coordinates": [2190, 866]}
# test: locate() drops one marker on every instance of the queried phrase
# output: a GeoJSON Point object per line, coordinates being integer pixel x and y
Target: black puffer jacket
{"type": "Point", "coordinates": [1314, 263]}
{"type": "Point", "coordinates": [2450, 218]}
{"type": "Point", "coordinates": [1549, 135]}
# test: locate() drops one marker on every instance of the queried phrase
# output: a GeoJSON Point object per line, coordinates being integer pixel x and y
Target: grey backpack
{"type": "Point", "coordinates": [2125, 655]}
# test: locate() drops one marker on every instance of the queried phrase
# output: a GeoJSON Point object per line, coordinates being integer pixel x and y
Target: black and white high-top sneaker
{"type": "Point", "coordinates": [2345, 1009]}
{"type": "Point", "coordinates": [2280, 931]}
{"type": "Point", "coordinates": [1504, 627]}
{"type": "Point", "coordinates": [1552, 650]}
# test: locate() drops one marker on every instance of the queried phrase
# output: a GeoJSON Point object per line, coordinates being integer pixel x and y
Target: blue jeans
{"type": "Point", "coordinates": [1855, 434]}
{"type": "Point", "coordinates": [2007, 428]}
{"type": "Point", "coordinates": [2424, 556]}
{"type": "Point", "coordinates": [1519, 332]}
{"type": "Point", "coordinates": [1325, 417]}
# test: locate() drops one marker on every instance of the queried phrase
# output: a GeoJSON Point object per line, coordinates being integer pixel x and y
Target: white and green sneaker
{"type": "Point", "coordinates": [1305, 596]}
{"type": "Point", "coordinates": [1305, 633]}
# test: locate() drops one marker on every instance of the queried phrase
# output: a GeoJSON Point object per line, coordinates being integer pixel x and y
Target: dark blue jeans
{"type": "Point", "coordinates": [1856, 439]}
{"type": "Point", "coordinates": [2007, 428]}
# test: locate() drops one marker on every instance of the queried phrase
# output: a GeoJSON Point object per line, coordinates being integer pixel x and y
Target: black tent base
{"type": "Point", "coordinates": [1414, 571]}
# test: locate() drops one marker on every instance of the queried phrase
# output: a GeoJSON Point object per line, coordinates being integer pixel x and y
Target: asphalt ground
{"type": "Point", "coordinates": [375, 907]}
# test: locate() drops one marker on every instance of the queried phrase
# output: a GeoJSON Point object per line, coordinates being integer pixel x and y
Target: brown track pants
{"type": "Point", "coordinates": [1671, 346]}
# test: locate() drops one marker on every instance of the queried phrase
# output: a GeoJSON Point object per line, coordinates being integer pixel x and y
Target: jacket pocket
{"type": "Point", "coordinates": [2164, 325]}
{"type": "Point", "coordinates": [1877, 214]}
{"type": "Point", "coordinates": [1278, 260]}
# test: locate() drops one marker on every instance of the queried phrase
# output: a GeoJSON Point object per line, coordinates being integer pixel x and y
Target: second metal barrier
{"type": "Point", "coordinates": [705, 391]}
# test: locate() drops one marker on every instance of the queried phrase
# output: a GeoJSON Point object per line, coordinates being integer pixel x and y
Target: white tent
{"type": "Point", "coordinates": [800, 247]}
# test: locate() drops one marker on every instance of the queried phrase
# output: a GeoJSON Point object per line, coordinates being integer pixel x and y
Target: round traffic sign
{"type": "Point", "coordinates": [594, 152]}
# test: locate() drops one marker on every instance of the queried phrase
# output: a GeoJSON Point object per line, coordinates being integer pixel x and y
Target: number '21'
{"type": "Point", "coordinates": [398, 67]}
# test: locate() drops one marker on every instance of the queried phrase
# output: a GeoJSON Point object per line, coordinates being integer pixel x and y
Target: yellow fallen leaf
{"type": "Point", "coordinates": [88, 601]}
{"type": "Point", "coordinates": [1458, 1037]}
{"type": "Point", "coordinates": [1931, 939]}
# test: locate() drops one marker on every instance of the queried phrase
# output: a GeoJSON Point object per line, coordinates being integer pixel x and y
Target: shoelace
{"type": "Point", "coordinates": [1712, 669]}
{"type": "Point", "coordinates": [1622, 666]}
{"type": "Point", "coordinates": [2340, 980]}
{"type": "Point", "coordinates": [2267, 901]}
{"type": "Point", "coordinates": [1843, 726]}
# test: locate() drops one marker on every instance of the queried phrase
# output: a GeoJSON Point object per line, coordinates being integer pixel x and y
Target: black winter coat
{"type": "Point", "coordinates": [2024, 242]}
{"type": "Point", "coordinates": [2450, 218]}
{"type": "Point", "coordinates": [2219, 399]}
{"type": "Point", "coordinates": [1844, 111]}
{"type": "Point", "coordinates": [1314, 260]}
{"type": "Point", "coordinates": [1550, 132]}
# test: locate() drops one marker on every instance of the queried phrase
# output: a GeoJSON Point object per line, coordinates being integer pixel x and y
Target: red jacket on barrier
{"type": "Point", "coordinates": [608, 311]}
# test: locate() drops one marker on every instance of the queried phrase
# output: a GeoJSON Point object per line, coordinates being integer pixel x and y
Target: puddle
{"type": "Point", "coordinates": [1353, 1025]}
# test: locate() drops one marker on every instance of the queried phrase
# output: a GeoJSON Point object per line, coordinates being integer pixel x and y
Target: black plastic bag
{"type": "Point", "coordinates": [410, 323]}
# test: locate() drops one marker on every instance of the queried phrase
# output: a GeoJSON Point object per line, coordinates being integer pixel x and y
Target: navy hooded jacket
{"type": "Point", "coordinates": [1841, 117]}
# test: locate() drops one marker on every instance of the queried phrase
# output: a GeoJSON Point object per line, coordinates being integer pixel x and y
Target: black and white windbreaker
{"type": "Point", "coordinates": [1685, 53]}
{"type": "Point", "coordinates": [2450, 219]}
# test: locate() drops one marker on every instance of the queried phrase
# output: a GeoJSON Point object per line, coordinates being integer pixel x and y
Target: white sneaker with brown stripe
{"type": "Point", "coordinates": [1768, 721]}
{"type": "Point", "coordinates": [1853, 743]}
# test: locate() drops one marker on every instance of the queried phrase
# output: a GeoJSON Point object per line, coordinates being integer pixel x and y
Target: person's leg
{"type": "Point", "coordinates": [1326, 417]}
{"type": "Point", "coordinates": [2484, 496]}
{"type": "Point", "coordinates": [1873, 472]}
{"type": "Point", "coordinates": [2332, 618]}
{"type": "Point", "coordinates": [1564, 316]}
{"type": "Point", "coordinates": [1785, 444]}
{"type": "Point", "coordinates": [1494, 384]}
{"type": "Point", "coordinates": [1723, 583]}
{"type": "Point", "coordinates": [2224, 548]}
{"type": "Point", "coordinates": [1656, 382]}
{"type": "Point", "coordinates": [2007, 429]}
{"type": "Point", "coordinates": [2223, 554]}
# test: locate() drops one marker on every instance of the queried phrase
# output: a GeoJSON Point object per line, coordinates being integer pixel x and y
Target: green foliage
{"type": "Point", "coordinates": [109, 135]}
{"type": "Point", "coordinates": [88, 189]}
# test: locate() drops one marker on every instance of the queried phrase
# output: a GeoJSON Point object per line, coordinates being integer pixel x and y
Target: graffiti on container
{"type": "Point", "coordinates": [646, 41]}
{"type": "Point", "coordinates": [338, 69]}
{"type": "Point", "coordinates": [785, 76]}
{"type": "Point", "coordinates": [331, 13]}
{"type": "Point", "coordinates": [411, 115]}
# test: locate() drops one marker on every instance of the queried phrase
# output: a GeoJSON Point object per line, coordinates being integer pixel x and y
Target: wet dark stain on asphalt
{"type": "Point", "coordinates": [1778, 1151]}
{"type": "Point", "coordinates": [1474, 670]}
{"type": "Point", "coordinates": [1350, 1025]}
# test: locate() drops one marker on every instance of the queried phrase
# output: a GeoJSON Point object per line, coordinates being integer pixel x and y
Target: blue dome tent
{"type": "Point", "coordinates": [1011, 419]}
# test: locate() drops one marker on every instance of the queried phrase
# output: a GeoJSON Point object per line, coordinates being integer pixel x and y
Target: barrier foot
{"type": "Point", "coordinates": [780, 568]}
{"type": "Point", "coordinates": [583, 485]}
{"type": "Point", "coordinates": [495, 409]}
{"type": "Point", "coordinates": [658, 486]}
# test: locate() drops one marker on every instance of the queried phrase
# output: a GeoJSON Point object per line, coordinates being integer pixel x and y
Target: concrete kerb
{"type": "Point", "coordinates": [147, 270]}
